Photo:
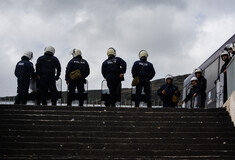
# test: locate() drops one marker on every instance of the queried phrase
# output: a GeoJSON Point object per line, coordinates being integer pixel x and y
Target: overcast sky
{"type": "Point", "coordinates": [179, 35]}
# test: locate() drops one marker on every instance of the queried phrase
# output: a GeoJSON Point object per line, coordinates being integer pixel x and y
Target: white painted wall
{"type": "Point", "coordinates": [230, 106]}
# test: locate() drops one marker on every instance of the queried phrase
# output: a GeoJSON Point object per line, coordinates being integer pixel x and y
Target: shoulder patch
{"type": "Point", "coordinates": [143, 64]}
{"type": "Point", "coordinates": [21, 64]}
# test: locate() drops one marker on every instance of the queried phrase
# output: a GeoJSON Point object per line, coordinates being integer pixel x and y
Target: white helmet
{"type": "Point", "coordinates": [28, 54]}
{"type": "Point", "coordinates": [143, 53]}
{"type": "Point", "coordinates": [169, 76]}
{"type": "Point", "coordinates": [76, 52]}
{"type": "Point", "coordinates": [49, 49]}
{"type": "Point", "coordinates": [194, 79]}
{"type": "Point", "coordinates": [198, 70]}
{"type": "Point", "coordinates": [230, 46]}
{"type": "Point", "coordinates": [224, 53]}
{"type": "Point", "coordinates": [111, 51]}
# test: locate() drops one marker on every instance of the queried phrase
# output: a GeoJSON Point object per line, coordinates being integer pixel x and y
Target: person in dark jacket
{"type": "Point", "coordinates": [24, 71]}
{"type": "Point", "coordinates": [48, 71]}
{"type": "Point", "coordinates": [189, 96]}
{"type": "Point", "coordinates": [169, 92]}
{"type": "Point", "coordinates": [201, 88]}
{"type": "Point", "coordinates": [113, 70]}
{"type": "Point", "coordinates": [76, 63]}
{"type": "Point", "coordinates": [145, 71]}
{"type": "Point", "coordinates": [225, 56]}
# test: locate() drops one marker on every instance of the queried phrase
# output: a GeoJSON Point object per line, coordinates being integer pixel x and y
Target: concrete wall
{"type": "Point", "coordinates": [230, 106]}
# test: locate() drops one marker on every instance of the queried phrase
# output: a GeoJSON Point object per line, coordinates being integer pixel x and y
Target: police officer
{"type": "Point", "coordinates": [169, 93]}
{"type": "Point", "coordinates": [191, 92]}
{"type": "Point", "coordinates": [24, 71]}
{"type": "Point", "coordinates": [201, 88]}
{"type": "Point", "coordinates": [113, 70]}
{"type": "Point", "coordinates": [145, 71]}
{"type": "Point", "coordinates": [231, 49]}
{"type": "Point", "coordinates": [48, 71]}
{"type": "Point", "coordinates": [225, 56]}
{"type": "Point", "coordinates": [76, 63]}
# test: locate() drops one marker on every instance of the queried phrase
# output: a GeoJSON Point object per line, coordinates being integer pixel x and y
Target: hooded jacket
{"type": "Point", "coordinates": [48, 65]}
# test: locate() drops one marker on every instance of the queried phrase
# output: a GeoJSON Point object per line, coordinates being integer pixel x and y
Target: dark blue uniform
{"type": "Point", "coordinates": [111, 69]}
{"type": "Point", "coordinates": [82, 65]}
{"type": "Point", "coordinates": [201, 92]}
{"type": "Point", "coordinates": [46, 67]}
{"type": "Point", "coordinates": [167, 98]}
{"type": "Point", "coordinates": [24, 71]}
{"type": "Point", "coordinates": [146, 72]}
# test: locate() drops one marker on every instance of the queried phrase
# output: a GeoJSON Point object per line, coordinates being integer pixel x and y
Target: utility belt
{"type": "Point", "coordinates": [47, 74]}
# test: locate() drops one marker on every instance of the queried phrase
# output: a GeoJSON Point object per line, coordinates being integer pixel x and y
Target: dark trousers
{"type": "Point", "coordinates": [147, 92]}
{"type": "Point", "coordinates": [115, 92]}
{"type": "Point", "coordinates": [22, 90]}
{"type": "Point", "coordinates": [225, 88]}
{"type": "Point", "coordinates": [168, 103]}
{"type": "Point", "coordinates": [38, 93]}
{"type": "Point", "coordinates": [201, 99]}
{"type": "Point", "coordinates": [47, 83]}
{"type": "Point", "coordinates": [71, 90]}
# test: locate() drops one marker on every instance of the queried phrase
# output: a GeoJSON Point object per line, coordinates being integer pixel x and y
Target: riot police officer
{"type": "Point", "coordinates": [48, 71]}
{"type": "Point", "coordinates": [24, 71]}
{"type": "Point", "coordinates": [201, 88]}
{"type": "Point", "coordinates": [231, 49]}
{"type": "Point", "coordinates": [192, 91]}
{"type": "Point", "coordinates": [169, 93]}
{"type": "Point", "coordinates": [225, 56]}
{"type": "Point", "coordinates": [113, 70]}
{"type": "Point", "coordinates": [81, 70]}
{"type": "Point", "coordinates": [145, 71]}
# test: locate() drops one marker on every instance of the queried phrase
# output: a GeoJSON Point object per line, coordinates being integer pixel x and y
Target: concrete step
{"type": "Point", "coordinates": [94, 134]}
{"type": "Point", "coordinates": [105, 109]}
{"type": "Point", "coordinates": [154, 128]}
{"type": "Point", "coordinates": [75, 122]}
{"type": "Point", "coordinates": [110, 146]}
{"type": "Point", "coordinates": [96, 140]}
{"type": "Point", "coordinates": [111, 154]}
{"type": "Point", "coordinates": [49, 132]}
{"type": "Point", "coordinates": [116, 118]}
{"type": "Point", "coordinates": [121, 112]}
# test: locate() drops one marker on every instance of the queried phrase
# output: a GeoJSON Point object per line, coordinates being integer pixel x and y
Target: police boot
{"type": "Point", "coordinates": [113, 105]}
{"type": "Point", "coordinates": [80, 104]}
{"type": "Point", "coordinates": [44, 103]}
{"type": "Point", "coordinates": [149, 105]}
{"type": "Point", "coordinates": [137, 104]}
{"type": "Point", "coordinates": [107, 104]}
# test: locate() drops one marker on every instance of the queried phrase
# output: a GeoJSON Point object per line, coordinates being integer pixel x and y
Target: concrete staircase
{"type": "Point", "coordinates": [40, 132]}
